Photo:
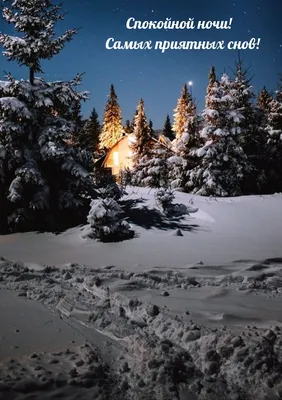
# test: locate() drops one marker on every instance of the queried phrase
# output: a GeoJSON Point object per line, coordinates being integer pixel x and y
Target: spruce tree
{"type": "Point", "coordinates": [184, 111]}
{"type": "Point", "coordinates": [43, 180]}
{"type": "Point", "coordinates": [151, 129]}
{"type": "Point", "coordinates": [132, 124]}
{"type": "Point", "coordinates": [141, 144]}
{"type": "Point", "coordinates": [167, 131]}
{"type": "Point", "coordinates": [223, 162]}
{"type": "Point", "coordinates": [112, 130]}
{"type": "Point", "coordinates": [127, 127]}
{"type": "Point", "coordinates": [35, 20]}
{"type": "Point", "coordinates": [88, 137]}
{"type": "Point", "coordinates": [186, 159]}
{"type": "Point", "coordinates": [274, 144]}
{"type": "Point", "coordinates": [252, 138]}
{"type": "Point", "coordinates": [264, 100]}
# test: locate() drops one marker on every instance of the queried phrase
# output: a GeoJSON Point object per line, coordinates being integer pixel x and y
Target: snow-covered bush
{"type": "Point", "coordinates": [105, 219]}
{"type": "Point", "coordinates": [164, 198]}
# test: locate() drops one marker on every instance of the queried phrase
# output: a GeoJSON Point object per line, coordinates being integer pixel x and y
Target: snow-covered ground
{"type": "Point", "coordinates": [161, 315]}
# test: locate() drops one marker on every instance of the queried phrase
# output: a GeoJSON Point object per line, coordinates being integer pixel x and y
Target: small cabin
{"type": "Point", "coordinates": [119, 156]}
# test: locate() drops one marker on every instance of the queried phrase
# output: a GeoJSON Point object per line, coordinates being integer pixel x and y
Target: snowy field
{"type": "Point", "coordinates": [155, 317]}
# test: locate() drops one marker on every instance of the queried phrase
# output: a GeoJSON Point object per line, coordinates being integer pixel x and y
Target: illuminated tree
{"type": "Point", "coordinates": [184, 110]}
{"type": "Point", "coordinates": [112, 129]}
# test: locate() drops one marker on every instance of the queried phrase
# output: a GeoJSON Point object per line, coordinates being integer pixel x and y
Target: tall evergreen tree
{"type": "Point", "coordinates": [264, 100]}
{"type": "Point", "coordinates": [210, 87]}
{"type": "Point", "coordinates": [185, 109]}
{"type": "Point", "coordinates": [112, 129]}
{"type": "Point", "coordinates": [88, 137]}
{"type": "Point", "coordinates": [252, 137]}
{"type": "Point", "coordinates": [141, 144]}
{"type": "Point", "coordinates": [36, 21]}
{"type": "Point", "coordinates": [127, 127]}
{"type": "Point", "coordinates": [223, 163]}
{"type": "Point", "coordinates": [274, 144]}
{"type": "Point", "coordinates": [132, 124]}
{"type": "Point", "coordinates": [42, 179]}
{"type": "Point", "coordinates": [167, 131]}
{"type": "Point", "coordinates": [151, 128]}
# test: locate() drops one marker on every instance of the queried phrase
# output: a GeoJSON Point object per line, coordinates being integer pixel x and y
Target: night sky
{"type": "Point", "coordinates": [149, 74]}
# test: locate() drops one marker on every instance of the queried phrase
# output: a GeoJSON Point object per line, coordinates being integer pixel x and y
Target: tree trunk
{"type": "Point", "coordinates": [31, 76]}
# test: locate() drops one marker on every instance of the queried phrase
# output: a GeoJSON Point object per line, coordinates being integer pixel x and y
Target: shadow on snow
{"type": "Point", "coordinates": [153, 218]}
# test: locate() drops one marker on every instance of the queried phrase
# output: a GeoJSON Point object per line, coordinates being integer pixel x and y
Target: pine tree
{"type": "Point", "coordinates": [185, 157]}
{"type": "Point", "coordinates": [43, 180]}
{"type": "Point", "coordinates": [112, 130]}
{"type": "Point", "coordinates": [252, 138]}
{"type": "Point", "coordinates": [151, 129]}
{"type": "Point", "coordinates": [75, 115]}
{"type": "Point", "coordinates": [223, 163]}
{"type": "Point", "coordinates": [184, 111]}
{"type": "Point", "coordinates": [127, 128]}
{"type": "Point", "coordinates": [88, 137]}
{"type": "Point", "coordinates": [274, 144]}
{"type": "Point", "coordinates": [36, 21]}
{"type": "Point", "coordinates": [263, 100]}
{"type": "Point", "coordinates": [210, 87]}
{"type": "Point", "coordinates": [167, 131]}
{"type": "Point", "coordinates": [132, 124]}
{"type": "Point", "coordinates": [141, 144]}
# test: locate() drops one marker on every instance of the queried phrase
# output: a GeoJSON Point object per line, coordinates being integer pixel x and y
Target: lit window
{"type": "Point", "coordinates": [115, 158]}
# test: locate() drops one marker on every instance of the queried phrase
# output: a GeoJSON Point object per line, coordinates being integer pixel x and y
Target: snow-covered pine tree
{"type": "Point", "coordinates": [88, 137]}
{"type": "Point", "coordinates": [185, 158]}
{"type": "Point", "coordinates": [223, 162]}
{"type": "Point", "coordinates": [264, 99]}
{"type": "Point", "coordinates": [112, 129]}
{"type": "Point", "coordinates": [132, 123]}
{"type": "Point", "coordinates": [252, 137]}
{"type": "Point", "coordinates": [274, 143]}
{"type": "Point", "coordinates": [183, 147]}
{"type": "Point", "coordinates": [107, 223]}
{"type": "Point", "coordinates": [42, 178]}
{"type": "Point", "coordinates": [184, 110]}
{"type": "Point", "coordinates": [167, 130]}
{"type": "Point", "coordinates": [149, 156]}
{"type": "Point", "coordinates": [152, 170]}
{"type": "Point", "coordinates": [142, 142]}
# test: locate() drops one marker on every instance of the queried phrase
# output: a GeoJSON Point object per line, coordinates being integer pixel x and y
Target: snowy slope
{"type": "Point", "coordinates": [223, 230]}
{"type": "Point", "coordinates": [207, 303]}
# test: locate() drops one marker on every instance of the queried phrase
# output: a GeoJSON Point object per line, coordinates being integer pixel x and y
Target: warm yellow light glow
{"type": "Point", "coordinates": [115, 158]}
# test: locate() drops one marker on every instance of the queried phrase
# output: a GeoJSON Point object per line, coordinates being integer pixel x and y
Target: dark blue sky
{"type": "Point", "coordinates": [158, 77]}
